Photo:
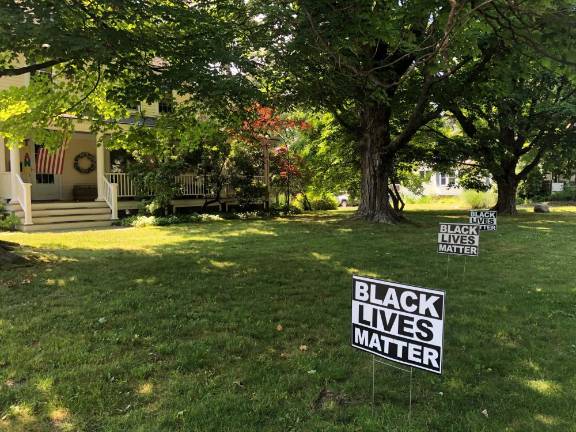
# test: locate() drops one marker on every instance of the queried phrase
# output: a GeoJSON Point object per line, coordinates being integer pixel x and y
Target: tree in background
{"type": "Point", "coordinates": [511, 118]}
{"type": "Point", "coordinates": [327, 151]}
{"type": "Point", "coordinates": [46, 109]}
{"type": "Point", "coordinates": [373, 66]}
{"type": "Point", "coordinates": [376, 66]}
{"type": "Point", "coordinates": [274, 134]}
{"type": "Point", "coordinates": [125, 52]}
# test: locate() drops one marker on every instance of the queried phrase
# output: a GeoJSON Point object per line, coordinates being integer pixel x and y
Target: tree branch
{"type": "Point", "coordinates": [31, 68]}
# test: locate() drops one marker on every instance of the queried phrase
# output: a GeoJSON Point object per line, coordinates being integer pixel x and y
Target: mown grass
{"type": "Point", "coordinates": [177, 328]}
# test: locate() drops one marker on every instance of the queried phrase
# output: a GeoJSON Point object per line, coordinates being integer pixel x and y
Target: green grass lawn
{"type": "Point", "coordinates": [177, 328]}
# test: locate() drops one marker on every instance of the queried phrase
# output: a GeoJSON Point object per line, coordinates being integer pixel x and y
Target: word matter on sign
{"type": "Point", "coordinates": [485, 219]}
{"type": "Point", "coordinates": [401, 323]}
{"type": "Point", "coordinates": [458, 239]}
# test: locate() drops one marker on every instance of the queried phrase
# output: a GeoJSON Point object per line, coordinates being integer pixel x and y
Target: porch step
{"type": "Point", "coordinates": [59, 205]}
{"type": "Point", "coordinates": [64, 226]}
{"type": "Point", "coordinates": [67, 205]}
{"type": "Point", "coordinates": [65, 211]}
{"type": "Point", "coordinates": [65, 216]}
{"type": "Point", "coordinates": [70, 218]}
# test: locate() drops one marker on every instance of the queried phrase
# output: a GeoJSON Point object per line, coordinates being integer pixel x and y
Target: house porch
{"type": "Point", "coordinates": [67, 199]}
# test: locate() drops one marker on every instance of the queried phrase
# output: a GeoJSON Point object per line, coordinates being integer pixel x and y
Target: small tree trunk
{"type": "Point", "coordinates": [507, 188]}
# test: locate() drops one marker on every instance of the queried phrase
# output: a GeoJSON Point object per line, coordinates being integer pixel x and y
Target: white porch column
{"type": "Point", "coordinates": [2, 155]}
{"type": "Point", "coordinates": [100, 165]}
{"type": "Point", "coordinates": [14, 167]}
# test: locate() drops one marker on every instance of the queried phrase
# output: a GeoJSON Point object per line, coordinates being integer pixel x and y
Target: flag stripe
{"type": "Point", "coordinates": [50, 163]}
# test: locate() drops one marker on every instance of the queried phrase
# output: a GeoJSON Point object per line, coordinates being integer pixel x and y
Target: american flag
{"type": "Point", "coordinates": [50, 162]}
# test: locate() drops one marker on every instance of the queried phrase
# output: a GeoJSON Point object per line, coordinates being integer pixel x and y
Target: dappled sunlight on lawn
{"type": "Point", "coordinates": [544, 387]}
{"type": "Point", "coordinates": [145, 389]}
{"type": "Point", "coordinates": [175, 328]}
{"type": "Point", "coordinates": [546, 420]}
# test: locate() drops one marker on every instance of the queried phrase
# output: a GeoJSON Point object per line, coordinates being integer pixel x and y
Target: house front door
{"type": "Point", "coordinates": [45, 186]}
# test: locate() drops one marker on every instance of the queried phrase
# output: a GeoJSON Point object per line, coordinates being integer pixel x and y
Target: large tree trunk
{"type": "Point", "coordinates": [507, 188]}
{"type": "Point", "coordinates": [377, 166]}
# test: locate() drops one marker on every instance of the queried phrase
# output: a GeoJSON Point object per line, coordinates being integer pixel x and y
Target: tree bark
{"type": "Point", "coordinates": [377, 168]}
{"type": "Point", "coordinates": [507, 188]}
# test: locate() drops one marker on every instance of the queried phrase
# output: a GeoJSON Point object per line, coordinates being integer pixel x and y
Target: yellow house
{"type": "Point", "coordinates": [85, 190]}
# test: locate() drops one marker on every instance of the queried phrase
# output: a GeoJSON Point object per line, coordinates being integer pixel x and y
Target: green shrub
{"type": "Point", "coordinates": [144, 221]}
{"type": "Point", "coordinates": [302, 202]}
{"type": "Point", "coordinates": [478, 200]}
{"type": "Point", "coordinates": [8, 222]}
{"type": "Point", "coordinates": [534, 187]}
{"type": "Point", "coordinates": [568, 194]}
{"type": "Point", "coordinates": [283, 210]}
{"type": "Point", "coordinates": [324, 202]}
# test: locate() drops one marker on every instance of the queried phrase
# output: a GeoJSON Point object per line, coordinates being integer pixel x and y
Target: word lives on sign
{"type": "Point", "coordinates": [401, 323]}
{"type": "Point", "coordinates": [458, 239]}
{"type": "Point", "coordinates": [485, 219]}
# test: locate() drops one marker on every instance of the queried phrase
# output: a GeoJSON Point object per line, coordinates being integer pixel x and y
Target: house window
{"type": "Point", "coordinates": [446, 180]}
{"type": "Point", "coordinates": [44, 178]}
{"type": "Point", "coordinates": [166, 105]}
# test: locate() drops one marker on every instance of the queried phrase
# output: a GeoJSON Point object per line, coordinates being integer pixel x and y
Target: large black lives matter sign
{"type": "Point", "coordinates": [399, 322]}
{"type": "Point", "coordinates": [458, 239]}
{"type": "Point", "coordinates": [485, 219]}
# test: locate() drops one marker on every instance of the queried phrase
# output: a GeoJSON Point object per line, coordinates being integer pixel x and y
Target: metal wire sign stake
{"type": "Point", "coordinates": [400, 324]}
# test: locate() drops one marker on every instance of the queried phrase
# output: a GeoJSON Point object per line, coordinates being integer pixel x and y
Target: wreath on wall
{"type": "Point", "coordinates": [85, 169]}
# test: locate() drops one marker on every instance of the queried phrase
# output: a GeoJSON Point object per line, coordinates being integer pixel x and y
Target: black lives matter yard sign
{"type": "Point", "coordinates": [401, 323]}
{"type": "Point", "coordinates": [485, 219]}
{"type": "Point", "coordinates": [458, 239]}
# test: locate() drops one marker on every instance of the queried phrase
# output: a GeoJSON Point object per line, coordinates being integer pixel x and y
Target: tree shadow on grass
{"type": "Point", "coordinates": [183, 335]}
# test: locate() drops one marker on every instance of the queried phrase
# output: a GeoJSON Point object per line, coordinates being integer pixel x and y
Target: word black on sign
{"type": "Point", "coordinates": [401, 323]}
{"type": "Point", "coordinates": [458, 239]}
{"type": "Point", "coordinates": [485, 219]}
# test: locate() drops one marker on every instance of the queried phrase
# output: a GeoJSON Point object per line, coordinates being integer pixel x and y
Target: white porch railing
{"type": "Point", "coordinates": [126, 187]}
{"type": "Point", "coordinates": [22, 192]}
{"type": "Point", "coordinates": [190, 184]}
{"type": "Point", "coordinates": [111, 196]}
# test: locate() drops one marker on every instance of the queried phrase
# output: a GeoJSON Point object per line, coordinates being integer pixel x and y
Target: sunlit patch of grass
{"type": "Point", "coordinates": [221, 264]}
{"type": "Point", "coordinates": [544, 387]}
{"type": "Point", "coordinates": [61, 419]}
{"type": "Point", "coordinates": [320, 257]}
{"type": "Point", "coordinates": [21, 413]}
{"type": "Point", "coordinates": [44, 384]}
{"type": "Point", "coordinates": [546, 420]}
{"type": "Point", "coordinates": [57, 282]}
{"type": "Point", "coordinates": [145, 389]}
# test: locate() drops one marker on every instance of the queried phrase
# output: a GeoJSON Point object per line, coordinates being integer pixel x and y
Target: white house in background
{"type": "Point", "coordinates": [442, 183]}
{"type": "Point", "coordinates": [79, 186]}
{"type": "Point", "coordinates": [558, 183]}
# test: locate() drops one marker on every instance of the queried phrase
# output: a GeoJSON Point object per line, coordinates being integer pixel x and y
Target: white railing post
{"type": "Point", "coordinates": [100, 161]}
{"type": "Point", "coordinates": [14, 169]}
{"type": "Point", "coordinates": [22, 194]}
{"type": "Point", "coordinates": [27, 204]}
{"type": "Point", "coordinates": [110, 196]}
{"type": "Point", "coordinates": [114, 199]}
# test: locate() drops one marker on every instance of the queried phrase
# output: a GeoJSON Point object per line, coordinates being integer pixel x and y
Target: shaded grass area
{"type": "Point", "coordinates": [176, 328]}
